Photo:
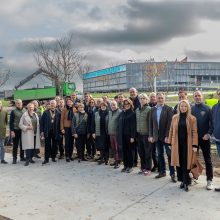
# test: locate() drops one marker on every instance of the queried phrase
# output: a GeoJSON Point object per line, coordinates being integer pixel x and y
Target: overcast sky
{"type": "Point", "coordinates": [109, 31]}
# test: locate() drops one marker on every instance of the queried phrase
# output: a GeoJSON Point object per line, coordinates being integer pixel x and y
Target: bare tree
{"type": "Point", "coordinates": [151, 71]}
{"type": "Point", "coordinates": [60, 61]}
{"type": "Point", "coordinates": [4, 76]}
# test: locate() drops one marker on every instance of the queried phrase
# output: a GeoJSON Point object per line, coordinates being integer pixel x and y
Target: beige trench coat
{"type": "Point", "coordinates": [192, 139]}
{"type": "Point", "coordinates": [27, 136]}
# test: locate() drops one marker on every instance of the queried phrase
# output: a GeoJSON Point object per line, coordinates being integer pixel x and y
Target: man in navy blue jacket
{"type": "Point", "coordinates": [203, 115]}
{"type": "Point", "coordinates": [50, 130]}
{"type": "Point", "coordinates": [216, 125]}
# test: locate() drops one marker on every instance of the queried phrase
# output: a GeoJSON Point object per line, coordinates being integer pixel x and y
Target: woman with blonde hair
{"type": "Point", "coordinates": [29, 124]}
{"type": "Point", "coordinates": [183, 138]}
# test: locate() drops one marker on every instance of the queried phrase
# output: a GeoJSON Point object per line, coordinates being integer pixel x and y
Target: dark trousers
{"type": "Point", "coordinates": [128, 150]}
{"type": "Point", "coordinates": [104, 154]}
{"type": "Point", "coordinates": [182, 171]}
{"type": "Point", "coordinates": [68, 143]}
{"type": "Point", "coordinates": [60, 144]}
{"type": "Point", "coordinates": [154, 154]}
{"type": "Point", "coordinates": [161, 160]}
{"type": "Point", "coordinates": [144, 150]}
{"type": "Point", "coordinates": [30, 152]}
{"type": "Point", "coordinates": [135, 155]}
{"type": "Point", "coordinates": [17, 141]}
{"type": "Point", "coordinates": [115, 148]}
{"type": "Point", "coordinates": [90, 146]}
{"type": "Point", "coordinates": [206, 150]}
{"type": "Point", "coordinates": [50, 146]}
{"type": "Point", "coordinates": [80, 145]}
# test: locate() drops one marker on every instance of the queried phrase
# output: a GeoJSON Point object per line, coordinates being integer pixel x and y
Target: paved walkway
{"type": "Point", "coordinates": [87, 191]}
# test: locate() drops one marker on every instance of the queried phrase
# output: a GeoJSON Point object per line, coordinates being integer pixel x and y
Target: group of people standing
{"type": "Point", "coordinates": [122, 128]}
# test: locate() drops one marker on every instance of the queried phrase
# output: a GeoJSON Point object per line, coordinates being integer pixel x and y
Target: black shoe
{"type": "Point", "coordinates": [154, 169]}
{"type": "Point", "coordinates": [26, 163]}
{"type": "Point", "coordinates": [37, 156]}
{"type": "Point", "coordinates": [23, 159]}
{"type": "Point", "coordinates": [3, 162]}
{"type": "Point", "coordinates": [217, 189]}
{"type": "Point", "coordinates": [181, 185]}
{"type": "Point", "coordinates": [124, 169]}
{"type": "Point", "coordinates": [61, 157]}
{"type": "Point", "coordinates": [117, 165]}
{"type": "Point", "coordinates": [45, 162]}
{"type": "Point", "coordinates": [79, 160]}
{"type": "Point", "coordinates": [53, 159]}
{"type": "Point", "coordinates": [173, 178]}
{"type": "Point", "coordinates": [100, 162]}
{"type": "Point", "coordinates": [32, 161]}
{"type": "Point", "coordinates": [160, 175]}
{"type": "Point", "coordinates": [67, 160]}
{"type": "Point", "coordinates": [71, 158]}
{"type": "Point", "coordinates": [14, 161]}
{"type": "Point", "coordinates": [106, 162]}
{"type": "Point", "coordinates": [186, 188]}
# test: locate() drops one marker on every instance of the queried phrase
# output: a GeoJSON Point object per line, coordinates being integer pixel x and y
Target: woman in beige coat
{"type": "Point", "coordinates": [29, 124]}
{"type": "Point", "coordinates": [183, 138]}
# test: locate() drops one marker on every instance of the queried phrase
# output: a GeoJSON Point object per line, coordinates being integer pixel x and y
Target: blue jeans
{"type": "Point", "coordinates": [29, 154]}
{"type": "Point", "coordinates": [218, 147]}
{"type": "Point", "coordinates": [161, 160]}
{"type": "Point", "coordinates": [2, 149]}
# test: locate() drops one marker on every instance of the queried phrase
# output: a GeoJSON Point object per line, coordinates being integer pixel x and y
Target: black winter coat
{"type": "Point", "coordinates": [126, 125]}
{"type": "Point", "coordinates": [45, 124]}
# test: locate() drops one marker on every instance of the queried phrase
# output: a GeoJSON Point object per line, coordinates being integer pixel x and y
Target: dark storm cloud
{"type": "Point", "coordinates": [153, 22]}
{"type": "Point", "coordinates": [139, 23]}
{"type": "Point", "coordinates": [202, 55]}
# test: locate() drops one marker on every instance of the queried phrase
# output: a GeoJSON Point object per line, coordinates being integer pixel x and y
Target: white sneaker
{"type": "Point", "coordinates": [209, 185]}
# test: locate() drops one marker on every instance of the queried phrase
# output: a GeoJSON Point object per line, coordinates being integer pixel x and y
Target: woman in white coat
{"type": "Point", "coordinates": [29, 124]}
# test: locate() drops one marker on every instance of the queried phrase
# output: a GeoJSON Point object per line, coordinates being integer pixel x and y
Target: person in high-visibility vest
{"type": "Point", "coordinates": [211, 101]}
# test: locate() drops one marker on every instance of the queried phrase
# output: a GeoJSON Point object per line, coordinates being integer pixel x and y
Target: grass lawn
{"type": "Point", "coordinates": [5, 103]}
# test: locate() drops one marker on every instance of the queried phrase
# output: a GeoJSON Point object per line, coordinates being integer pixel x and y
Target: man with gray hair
{"type": "Point", "coordinates": [15, 130]}
{"type": "Point", "coordinates": [113, 119]}
{"type": "Point", "coordinates": [50, 130]}
{"type": "Point", "coordinates": [142, 121]}
{"type": "Point", "coordinates": [134, 97]}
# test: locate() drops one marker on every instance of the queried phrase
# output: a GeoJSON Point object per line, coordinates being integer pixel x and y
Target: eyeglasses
{"type": "Point", "coordinates": [126, 104]}
{"type": "Point", "coordinates": [142, 98]}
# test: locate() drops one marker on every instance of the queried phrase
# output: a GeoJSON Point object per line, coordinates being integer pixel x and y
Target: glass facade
{"type": "Point", "coordinates": [173, 76]}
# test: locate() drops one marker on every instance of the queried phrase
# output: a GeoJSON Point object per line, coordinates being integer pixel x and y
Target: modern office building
{"type": "Point", "coordinates": [170, 76]}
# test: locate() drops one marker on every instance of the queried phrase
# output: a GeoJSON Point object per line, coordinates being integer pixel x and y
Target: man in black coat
{"type": "Point", "coordinates": [159, 126]}
{"type": "Point", "coordinates": [136, 103]}
{"type": "Point", "coordinates": [203, 115]}
{"type": "Point", "coordinates": [50, 130]}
